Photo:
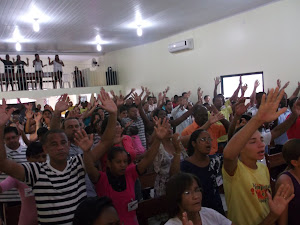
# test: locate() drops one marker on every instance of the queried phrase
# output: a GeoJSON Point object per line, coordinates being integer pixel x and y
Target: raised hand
{"type": "Point", "coordinates": [74, 114]}
{"type": "Point", "coordinates": [215, 117]}
{"type": "Point", "coordinates": [62, 103]}
{"type": "Point", "coordinates": [244, 88]}
{"type": "Point", "coordinates": [296, 107]}
{"type": "Point", "coordinates": [137, 99]}
{"type": "Point", "coordinates": [217, 81]}
{"type": "Point", "coordinates": [256, 84]}
{"type": "Point", "coordinates": [107, 103]}
{"type": "Point", "coordinates": [286, 84]}
{"type": "Point", "coordinates": [189, 94]}
{"type": "Point", "coordinates": [240, 107]}
{"type": "Point", "coordinates": [38, 117]}
{"type": "Point", "coordinates": [185, 220]}
{"type": "Point", "coordinates": [281, 199]}
{"type": "Point", "coordinates": [132, 90]}
{"type": "Point", "coordinates": [28, 114]}
{"type": "Point", "coordinates": [279, 83]}
{"type": "Point", "coordinates": [162, 128]}
{"type": "Point", "coordinates": [267, 111]}
{"type": "Point", "coordinates": [120, 100]}
{"type": "Point", "coordinates": [84, 141]}
{"type": "Point", "coordinates": [5, 114]}
{"type": "Point", "coordinates": [240, 84]}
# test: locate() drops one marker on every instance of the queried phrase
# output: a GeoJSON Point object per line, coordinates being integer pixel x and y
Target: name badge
{"type": "Point", "coordinates": [219, 180]}
{"type": "Point", "coordinates": [133, 205]}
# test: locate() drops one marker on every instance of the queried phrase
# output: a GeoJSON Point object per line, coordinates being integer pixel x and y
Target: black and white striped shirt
{"type": "Point", "coordinates": [57, 193]}
{"type": "Point", "coordinates": [19, 156]}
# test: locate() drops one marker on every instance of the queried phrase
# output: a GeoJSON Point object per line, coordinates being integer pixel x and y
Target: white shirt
{"type": "Point", "coordinates": [208, 217]}
{"type": "Point", "coordinates": [38, 65]}
{"type": "Point", "coordinates": [57, 66]}
{"type": "Point", "coordinates": [178, 112]}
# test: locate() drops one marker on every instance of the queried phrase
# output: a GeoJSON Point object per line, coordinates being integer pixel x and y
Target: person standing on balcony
{"type": "Point", "coordinates": [21, 74]}
{"type": "Point", "coordinates": [57, 69]}
{"type": "Point", "coordinates": [8, 71]}
{"type": "Point", "coordinates": [38, 66]}
{"type": "Point", "coordinates": [78, 78]}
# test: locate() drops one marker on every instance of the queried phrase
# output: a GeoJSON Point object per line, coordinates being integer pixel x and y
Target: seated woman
{"type": "Point", "coordinates": [119, 179]}
{"type": "Point", "coordinates": [291, 154]}
{"type": "Point", "coordinates": [184, 195]}
{"type": "Point", "coordinates": [206, 167]}
{"type": "Point", "coordinates": [96, 211]}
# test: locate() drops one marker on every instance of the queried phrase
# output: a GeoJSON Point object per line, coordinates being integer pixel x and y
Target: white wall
{"type": "Point", "coordinates": [265, 39]}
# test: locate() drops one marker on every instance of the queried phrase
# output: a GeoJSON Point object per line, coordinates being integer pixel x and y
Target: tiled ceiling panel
{"type": "Point", "coordinates": [70, 26]}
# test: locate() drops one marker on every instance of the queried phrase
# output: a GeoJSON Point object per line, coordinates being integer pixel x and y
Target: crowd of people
{"type": "Point", "coordinates": [21, 78]}
{"type": "Point", "coordinates": [84, 167]}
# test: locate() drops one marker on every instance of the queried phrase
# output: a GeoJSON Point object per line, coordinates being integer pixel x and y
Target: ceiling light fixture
{"type": "Point", "coordinates": [99, 47]}
{"type": "Point", "coordinates": [18, 46]}
{"type": "Point", "coordinates": [36, 25]}
{"type": "Point", "coordinates": [139, 31]}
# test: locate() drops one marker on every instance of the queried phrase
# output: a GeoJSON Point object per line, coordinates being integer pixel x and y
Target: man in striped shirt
{"type": "Point", "coordinates": [58, 185]}
{"type": "Point", "coordinates": [17, 152]}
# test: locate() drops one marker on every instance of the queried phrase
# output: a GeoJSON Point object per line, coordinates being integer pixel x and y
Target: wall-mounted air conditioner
{"type": "Point", "coordinates": [181, 45]}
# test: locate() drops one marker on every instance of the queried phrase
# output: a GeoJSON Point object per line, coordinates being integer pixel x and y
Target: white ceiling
{"type": "Point", "coordinates": [70, 26]}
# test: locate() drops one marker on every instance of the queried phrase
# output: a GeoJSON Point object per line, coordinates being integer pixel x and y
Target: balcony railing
{"type": "Point", "coordinates": [13, 79]}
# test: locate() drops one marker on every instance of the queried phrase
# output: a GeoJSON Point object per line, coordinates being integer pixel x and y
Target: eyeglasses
{"type": "Point", "coordinates": [197, 191]}
{"type": "Point", "coordinates": [205, 139]}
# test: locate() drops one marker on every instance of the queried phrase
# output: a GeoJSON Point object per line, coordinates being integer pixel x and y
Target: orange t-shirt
{"type": "Point", "coordinates": [215, 131]}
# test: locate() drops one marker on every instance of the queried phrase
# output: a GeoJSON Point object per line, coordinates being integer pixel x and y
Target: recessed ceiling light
{"type": "Point", "coordinates": [18, 46]}
{"type": "Point", "coordinates": [99, 47]}
{"type": "Point", "coordinates": [139, 31]}
{"type": "Point", "coordinates": [36, 25]}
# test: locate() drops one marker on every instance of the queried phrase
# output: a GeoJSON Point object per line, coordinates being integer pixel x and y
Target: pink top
{"type": "Point", "coordinates": [120, 199]}
{"type": "Point", "coordinates": [127, 144]}
{"type": "Point", "coordinates": [28, 214]}
{"type": "Point", "coordinates": [137, 145]}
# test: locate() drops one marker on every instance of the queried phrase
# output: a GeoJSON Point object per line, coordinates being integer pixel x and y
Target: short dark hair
{"type": "Point", "coordinates": [194, 136]}
{"type": "Point", "coordinates": [47, 110]}
{"type": "Point", "coordinates": [42, 131]}
{"type": "Point", "coordinates": [114, 150]}
{"type": "Point", "coordinates": [105, 122]}
{"type": "Point", "coordinates": [123, 108]}
{"type": "Point", "coordinates": [149, 97]}
{"type": "Point", "coordinates": [291, 151]}
{"type": "Point", "coordinates": [133, 130]}
{"type": "Point", "coordinates": [205, 97]}
{"type": "Point", "coordinates": [175, 187]}
{"type": "Point", "coordinates": [54, 131]}
{"type": "Point", "coordinates": [11, 130]}
{"type": "Point", "coordinates": [183, 93]}
{"type": "Point", "coordinates": [90, 209]}
{"type": "Point", "coordinates": [69, 118]}
{"type": "Point", "coordinates": [33, 149]}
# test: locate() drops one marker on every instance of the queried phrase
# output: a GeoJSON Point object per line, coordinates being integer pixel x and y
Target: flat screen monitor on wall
{"type": "Point", "coordinates": [229, 83]}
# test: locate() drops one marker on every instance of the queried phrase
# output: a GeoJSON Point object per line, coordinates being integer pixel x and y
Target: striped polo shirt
{"type": "Point", "coordinates": [57, 193]}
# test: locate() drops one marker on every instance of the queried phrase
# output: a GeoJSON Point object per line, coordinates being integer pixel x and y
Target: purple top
{"type": "Point", "coordinates": [294, 205]}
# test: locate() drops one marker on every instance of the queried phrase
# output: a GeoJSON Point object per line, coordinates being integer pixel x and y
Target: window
{"type": "Point", "coordinates": [229, 83]}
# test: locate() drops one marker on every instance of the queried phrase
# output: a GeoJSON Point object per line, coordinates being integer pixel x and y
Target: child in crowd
{"type": "Point", "coordinates": [118, 181]}
{"type": "Point", "coordinates": [184, 196]}
{"type": "Point", "coordinates": [136, 141]}
{"type": "Point", "coordinates": [291, 154]}
{"type": "Point", "coordinates": [247, 182]}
